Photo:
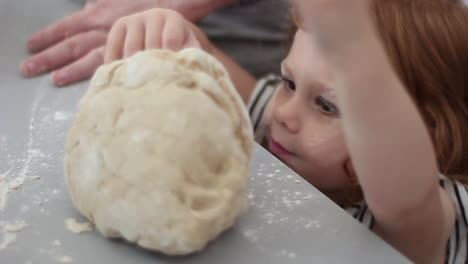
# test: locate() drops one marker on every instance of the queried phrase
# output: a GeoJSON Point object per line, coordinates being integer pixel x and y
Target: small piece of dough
{"type": "Point", "coordinates": [77, 227]}
{"type": "Point", "coordinates": [159, 150]}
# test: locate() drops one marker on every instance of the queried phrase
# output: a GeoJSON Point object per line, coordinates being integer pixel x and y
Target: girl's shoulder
{"type": "Point", "coordinates": [458, 193]}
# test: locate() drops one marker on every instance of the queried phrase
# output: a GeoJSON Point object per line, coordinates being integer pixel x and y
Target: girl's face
{"type": "Point", "coordinates": [303, 122]}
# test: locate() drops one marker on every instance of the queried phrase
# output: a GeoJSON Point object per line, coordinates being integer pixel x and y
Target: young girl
{"type": "Point", "coordinates": [371, 109]}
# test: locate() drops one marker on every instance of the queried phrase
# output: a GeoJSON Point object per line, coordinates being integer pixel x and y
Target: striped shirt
{"type": "Point", "coordinates": [457, 247]}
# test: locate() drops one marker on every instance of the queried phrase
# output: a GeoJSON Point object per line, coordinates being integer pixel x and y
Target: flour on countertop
{"type": "Point", "coordinates": [14, 227]}
{"type": "Point", "coordinates": [9, 183]}
{"type": "Point", "coordinates": [3, 190]}
{"type": "Point", "coordinates": [78, 227]}
{"type": "Point", "coordinates": [8, 231]}
{"type": "Point", "coordinates": [16, 183]}
{"type": "Point", "coordinates": [251, 234]}
{"type": "Point", "coordinates": [8, 239]}
{"type": "Point", "coordinates": [312, 224]}
{"type": "Point", "coordinates": [66, 259]}
{"type": "Point", "coordinates": [286, 253]}
{"type": "Point", "coordinates": [21, 169]}
{"type": "Point", "coordinates": [55, 252]}
{"type": "Point", "coordinates": [60, 116]}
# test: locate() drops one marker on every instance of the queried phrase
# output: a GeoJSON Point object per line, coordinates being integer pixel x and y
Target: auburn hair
{"type": "Point", "coordinates": [427, 44]}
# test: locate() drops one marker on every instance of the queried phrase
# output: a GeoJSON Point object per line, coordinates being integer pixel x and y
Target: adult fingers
{"type": "Point", "coordinates": [66, 27]}
{"type": "Point", "coordinates": [63, 53]}
{"type": "Point", "coordinates": [79, 70]}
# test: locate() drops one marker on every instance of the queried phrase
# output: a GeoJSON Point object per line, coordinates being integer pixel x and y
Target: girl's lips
{"type": "Point", "coordinates": [278, 149]}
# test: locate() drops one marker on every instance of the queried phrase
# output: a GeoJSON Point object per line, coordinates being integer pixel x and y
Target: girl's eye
{"type": "Point", "coordinates": [327, 107]}
{"type": "Point", "coordinates": [288, 84]}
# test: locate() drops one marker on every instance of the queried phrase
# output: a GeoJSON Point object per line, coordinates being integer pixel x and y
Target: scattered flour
{"type": "Point", "coordinates": [66, 259]}
{"type": "Point", "coordinates": [8, 239]}
{"type": "Point", "coordinates": [8, 231]}
{"type": "Point", "coordinates": [251, 235]}
{"type": "Point", "coordinates": [312, 224]}
{"type": "Point", "coordinates": [16, 183]}
{"type": "Point", "coordinates": [57, 243]}
{"type": "Point", "coordinates": [310, 196]}
{"type": "Point", "coordinates": [24, 208]}
{"type": "Point", "coordinates": [286, 253]}
{"type": "Point", "coordinates": [3, 190]}
{"type": "Point", "coordinates": [77, 227]}
{"type": "Point", "coordinates": [14, 227]}
{"type": "Point", "coordinates": [60, 116]}
{"type": "Point", "coordinates": [9, 181]}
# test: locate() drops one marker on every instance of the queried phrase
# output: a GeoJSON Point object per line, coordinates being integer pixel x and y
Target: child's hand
{"type": "Point", "coordinates": [337, 26]}
{"type": "Point", "coordinates": [152, 29]}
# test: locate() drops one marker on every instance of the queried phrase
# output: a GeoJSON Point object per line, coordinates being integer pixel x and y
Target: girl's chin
{"type": "Point", "coordinates": [289, 160]}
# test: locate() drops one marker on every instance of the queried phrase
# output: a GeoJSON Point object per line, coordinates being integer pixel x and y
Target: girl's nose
{"type": "Point", "coordinates": [287, 115]}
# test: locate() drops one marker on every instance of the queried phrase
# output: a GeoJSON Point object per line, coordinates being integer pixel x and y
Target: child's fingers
{"type": "Point", "coordinates": [191, 41]}
{"type": "Point", "coordinates": [175, 33]}
{"type": "Point", "coordinates": [153, 32]}
{"type": "Point", "coordinates": [79, 70]}
{"type": "Point", "coordinates": [135, 38]}
{"type": "Point", "coordinates": [115, 42]}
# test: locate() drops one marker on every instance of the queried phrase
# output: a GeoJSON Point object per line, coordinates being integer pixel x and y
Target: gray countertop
{"type": "Point", "coordinates": [288, 221]}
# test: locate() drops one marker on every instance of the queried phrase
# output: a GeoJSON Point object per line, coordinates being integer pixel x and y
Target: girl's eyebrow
{"type": "Point", "coordinates": [286, 70]}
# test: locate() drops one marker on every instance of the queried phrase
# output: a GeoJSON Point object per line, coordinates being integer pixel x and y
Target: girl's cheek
{"type": "Point", "coordinates": [276, 100]}
{"type": "Point", "coordinates": [325, 144]}
{"type": "Point", "coordinates": [268, 114]}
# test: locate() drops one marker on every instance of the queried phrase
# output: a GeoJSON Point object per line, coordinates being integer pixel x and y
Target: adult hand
{"type": "Point", "coordinates": [74, 46]}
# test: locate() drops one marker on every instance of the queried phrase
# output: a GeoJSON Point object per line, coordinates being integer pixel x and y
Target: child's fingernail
{"type": "Point", "coordinates": [60, 78]}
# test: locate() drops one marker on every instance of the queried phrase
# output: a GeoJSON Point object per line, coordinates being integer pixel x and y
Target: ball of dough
{"type": "Point", "coordinates": [158, 152]}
